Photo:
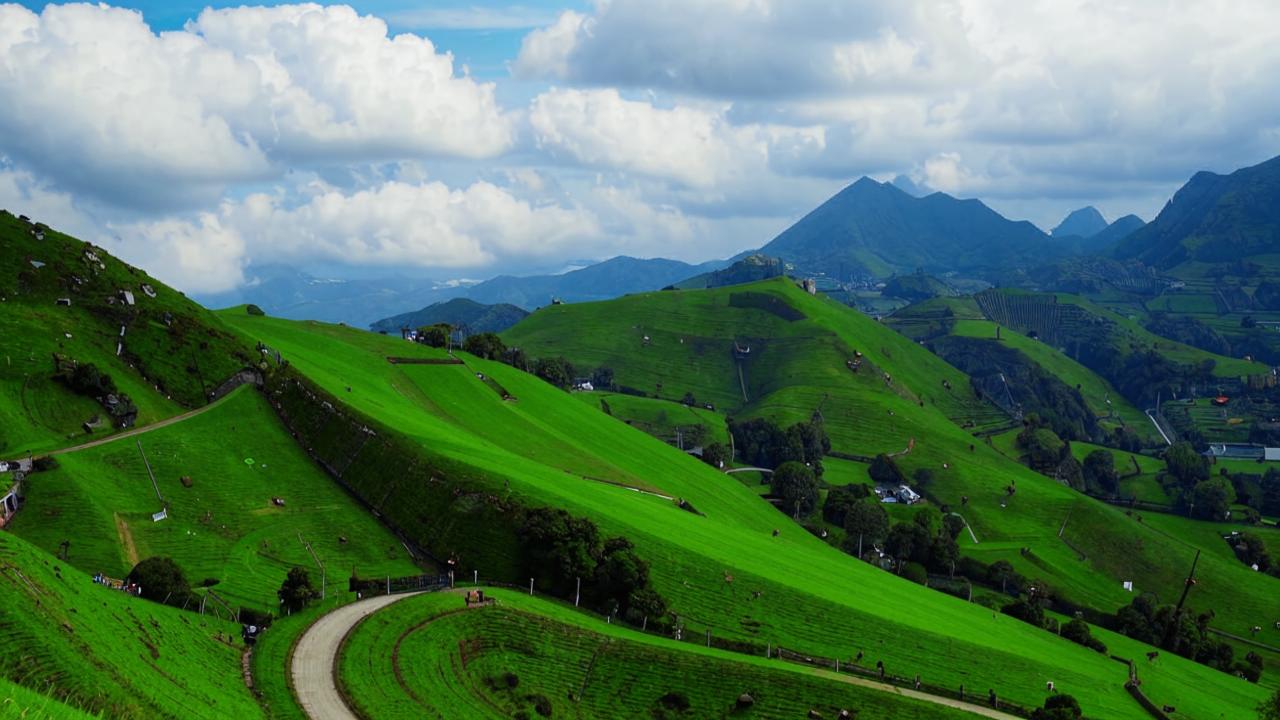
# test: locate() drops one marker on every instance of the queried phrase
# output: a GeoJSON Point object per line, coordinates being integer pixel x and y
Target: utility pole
{"type": "Point", "coordinates": [1171, 635]}
{"type": "Point", "coordinates": [316, 558]}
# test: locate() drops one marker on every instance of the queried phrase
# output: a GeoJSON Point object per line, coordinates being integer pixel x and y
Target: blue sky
{"type": "Point", "coordinates": [517, 137]}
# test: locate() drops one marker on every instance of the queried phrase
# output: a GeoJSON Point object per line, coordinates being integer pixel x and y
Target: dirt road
{"type": "Point", "coordinates": [313, 660]}
{"type": "Point", "coordinates": [974, 708]}
{"type": "Point", "coordinates": [145, 428]}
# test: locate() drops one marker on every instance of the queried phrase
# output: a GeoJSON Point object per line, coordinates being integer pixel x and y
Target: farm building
{"type": "Point", "coordinates": [1242, 451]}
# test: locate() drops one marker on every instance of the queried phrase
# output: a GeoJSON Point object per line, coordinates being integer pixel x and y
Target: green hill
{"type": "Point", "coordinates": [916, 287]}
{"type": "Point", "coordinates": [451, 456]}
{"type": "Point", "coordinates": [803, 368]}
{"type": "Point", "coordinates": [108, 653]}
{"type": "Point", "coordinates": [458, 312]}
{"type": "Point", "coordinates": [164, 353]}
{"type": "Point", "coordinates": [749, 269]}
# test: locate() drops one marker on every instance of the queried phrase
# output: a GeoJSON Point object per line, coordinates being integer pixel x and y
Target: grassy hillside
{"type": "Point", "coordinates": [544, 447]}
{"type": "Point", "coordinates": [224, 526]}
{"type": "Point", "coordinates": [864, 416]}
{"type": "Point", "coordinates": [19, 703]}
{"type": "Point", "coordinates": [660, 418]}
{"type": "Point", "coordinates": [171, 355]}
{"type": "Point", "coordinates": [109, 653]}
{"type": "Point", "coordinates": [453, 663]}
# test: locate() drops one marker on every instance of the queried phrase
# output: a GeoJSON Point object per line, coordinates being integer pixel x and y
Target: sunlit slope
{"type": "Point", "coordinates": [171, 355]}
{"type": "Point", "coordinates": [865, 416]}
{"type": "Point", "coordinates": [104, 651]}
{"type": "Point", "coordinates": [452, 663]}
{"type": "Point", "coordinates": [792, 588]}
{"type": "Point", "coordinates": [225, 525]}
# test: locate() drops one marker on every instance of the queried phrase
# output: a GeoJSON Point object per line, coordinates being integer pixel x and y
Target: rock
{"type": "Point", "coordinates": [745, 700]}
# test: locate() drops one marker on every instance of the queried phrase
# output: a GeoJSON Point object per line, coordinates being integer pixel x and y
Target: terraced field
{"type": "Point", "coordinates": [19, 703]}
{"type": "Point", "coordinates": [109, 653]}
{"type": "Point", "coordinates": [525, 654]}
{"type": "Point", "coordinates": [223, 523]}
{"type": "Point", "coordinates": [547, 448]}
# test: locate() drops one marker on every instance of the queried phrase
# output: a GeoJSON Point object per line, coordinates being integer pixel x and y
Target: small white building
{"type": "Point", "coordinates": [585, 385]}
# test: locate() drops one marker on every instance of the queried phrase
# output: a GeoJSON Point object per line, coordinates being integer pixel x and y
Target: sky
{"type": "Point", "coordinates": [459, 139]}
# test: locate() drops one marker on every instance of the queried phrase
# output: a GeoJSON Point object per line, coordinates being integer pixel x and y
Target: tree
{"type": "Point", "coordinates": [759, 441]}
{"type": "Point", "coordinates": [1058, 707]}
{"type": "Point", "coordinates": [943, 553]}
{"type": "Point", "coordinates": [253, 310]}
{"type": "Point", "coordinates": [907, 541]}
{"type": "Point", "coordinates": [1044, 448]}
{"type": "Point", "coordinates": [602, 378]}
{"type": "Point", "coordinates": [716, 455]}
{"type": "Point", "coordinates": [1002, 575]}
{"type": "Point", "coordinates": [865, 523]}
{"type": "Point", "coordinates": [1251, 550]}
{"type": "Point", "coordinates": [1100, 472]}
{"type": "Point", "coordinates": [485, 345]}
{"type": "Point", "coordinates": [953, 525]}
{"type": "Point", "coordinates": [1211, 499]}
{"type": "Point", "coordinates": [689, 400]}
{"type": "Point", "coordinates": [557, 371]}
{"type": "Point", "coordinates": [435, 335]}
{"type": "Point", "coordinates": [1185, 464]}
{"type": "Point", "coordinates": [839, 499]}
{"type": "Point", "coordinates": [296, 592]}
{"type": "Point", "coordinates": [884, 471]}
{"type": "Point", "coordinates": [1078, 631]}
{"type": "Point", "coordinates": [928, 518]}
{"type": "Point", "coordinates": [796, 486]}
{"type": "Point", "coordinates": [161, 580]}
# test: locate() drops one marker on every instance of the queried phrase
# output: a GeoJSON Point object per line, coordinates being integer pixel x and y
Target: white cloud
{"type": "Point", "coordinates": [695, 146]}
{"type": "Point", "coordinates": [97, 102]}
{"type": "Point", "coordinates": [511, 17]}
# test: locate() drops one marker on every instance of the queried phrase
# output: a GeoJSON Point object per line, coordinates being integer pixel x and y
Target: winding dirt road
{"type": "Point", "coordinates": [314, 658]}
{"type": "Point", "coordinates": [144, 429]}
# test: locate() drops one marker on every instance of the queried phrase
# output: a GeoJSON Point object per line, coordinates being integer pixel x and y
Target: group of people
{"type": "Point", "coordinates": [131, 588]}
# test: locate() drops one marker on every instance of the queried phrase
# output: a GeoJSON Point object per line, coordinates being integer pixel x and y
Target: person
{"type": "Point", "coordinates": [917, 681]}
{"type": "Point", "coordinates": [991, 695]}
{"type": "Point", "coordinates": [962, 692]}
{"type": "Point", "coordinates": [858, 659]}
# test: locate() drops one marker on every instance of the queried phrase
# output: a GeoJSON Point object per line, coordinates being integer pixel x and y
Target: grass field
{"type": "Point", "coordinates": [659, 418]}
{"type": "Point", "coordinates": [19, 703]}
{"type": "Point", "coordinates": [449, 663]}
{"type": "Point", "coordinates": [552, 449]}
{"type": "Point", "coordinates": [109, 653]}
{"type": "Point", "coordinates": [224, 526]}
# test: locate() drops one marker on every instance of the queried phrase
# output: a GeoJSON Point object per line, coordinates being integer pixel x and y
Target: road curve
{"type": "Point", "coordinates": [313, 663]}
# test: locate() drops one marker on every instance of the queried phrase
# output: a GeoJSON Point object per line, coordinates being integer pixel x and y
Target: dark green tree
{"type": "Point", "coordinates": [1186, 465]}
{"type": "Point", "coordinates": [602, 378]}
{"type": "Point", "coordinates": [557, 371]}
{"type": "Point", "coordinates": [796, 486]}
{"type": "Point", "coordinates": [297, 591]}
{"type": "Point", "coordinates": [839, 499]}
{"type": "Point", "coordinates": [884, 471]}
{"type": "Point", "coordinates": [161, 580]}
{"type": "Point", "coordinates": [1100, 472]}
{"type": "Point", "coordinates": [716, 455]}
{"type": "Point", "coordinates": [1058, 707]}
{"type": "Point", "coordinates": [865, 523]}
{"type": "Point", "coordinates": [485, 345]}
{"type": "Point", "coordinates": [1211, 499]}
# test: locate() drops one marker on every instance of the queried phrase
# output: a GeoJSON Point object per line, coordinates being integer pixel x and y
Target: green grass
{"type": "Point", "coordinates": [19, 703]}
{"type": "Point", "coordinates": [99, 649]}
{"type": "Point", "coordinates": [272, 658]}
{"type": "Point", "coordinates": [659, 418]}
{"type": "Point", "coordinates": [162, 367]}
{"type": "Point", "coordinates": [548, 446]}
{"type": "Point", "coordinates": [582, 666]}
{"type": "Point", "coordinates": [225, 526]}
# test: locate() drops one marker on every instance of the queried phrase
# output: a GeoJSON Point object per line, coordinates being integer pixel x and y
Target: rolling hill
{"type": "Point", "coordinates": [458, 312]}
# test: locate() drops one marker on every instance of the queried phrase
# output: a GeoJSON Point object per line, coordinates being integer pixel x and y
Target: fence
{"type": "Point", "coordinates": [392, 586]}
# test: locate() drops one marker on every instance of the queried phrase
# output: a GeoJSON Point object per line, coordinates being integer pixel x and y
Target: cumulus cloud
{"type": "Point", "coordinates": [695, 146]}
{"type": "Point", "coordinates": [1032, 93]}
{"type": "Point", "coordinates": [100, 104]}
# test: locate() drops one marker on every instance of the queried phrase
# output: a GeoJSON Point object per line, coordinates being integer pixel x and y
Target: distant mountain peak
{"type": "Point", "coordinates": [1083, 223]}
{"type": "Point", "coordinates": [909, 186]}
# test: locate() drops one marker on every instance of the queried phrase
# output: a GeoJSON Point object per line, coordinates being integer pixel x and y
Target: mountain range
{"type": "Point", "coordinates": [458, 312]}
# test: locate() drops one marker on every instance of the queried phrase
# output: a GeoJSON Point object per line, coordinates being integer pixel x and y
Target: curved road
{"type": "Point", "coordinates": [142, 430]}
{"type": "Point", "coordinates": [313, 663]}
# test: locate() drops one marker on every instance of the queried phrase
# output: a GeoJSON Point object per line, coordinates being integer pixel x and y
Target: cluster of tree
{"type": "Point", "coordinates": [1058, 707]}
{"type": "Point", "coordinates": [1260, 493]}
{"type": "Point", "coordinates": [1146, 620]}
{"type": "Point", "coordinates": [1099, 473]}
{"type": "Point", "coordinates": [1001, 372]}
{"type": "Point", "coordinates": [763, 443]}
{"type": "Point", "coordinates": [485, 345]}
{"type": "Point", "coordinates": [162, 580]}
{"type": "Point", "coordinates": [1196, 493]}
{"type": "Point", "coordinates": [562, 551]}
{"type": "Point", "coordinates": [437, 336]}
{"type": "Point", "coordinates": [1030, 607]}
{"type": "Point", "coordinates": [796, 487]}
{"type": "Point", "coordinates": [927, 543]}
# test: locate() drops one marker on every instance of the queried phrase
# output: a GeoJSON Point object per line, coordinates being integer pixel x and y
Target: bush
{"type": "Point", "coordinates": [44, 463]}
{"type": "Point", "coordinates": [250, 616]}
{"type": "Point", "coordinates": [840, 499]}
{"type": "Point", "coordinates": [253, 310]}
{"type": "Point", "coordinates": [1077, 631]}
{"type": "Point", "coordinates": [485, 345]}
{"type": "Point", "coordinates": [541, 704]}
{"type": "Point", "coordinates": [916, 573]}
{"type": "Point", "coordinates": [1058, 707]}
{"type": "Point", "coordinates": [716, 455]}
{"type": "Point", "coordinates": [296, 592]}
{"type": "Point", "coordinates": [796, 486]}
{"type": "Point", "coordinates": [161, 580]}
{"type": "Point", "coordinates": [676, 701]}
{"type": "Point", "coordinates": [884, 471]}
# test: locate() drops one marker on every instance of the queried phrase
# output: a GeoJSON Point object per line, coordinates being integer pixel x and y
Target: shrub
{"type": "Point", "coordinates": [485, 345]}
{"type": "Point", "coordinates": [161, 580]}
{"type": "Point", "coordinates": [541, 704]}
{"type": "Point", "coordinates": [296, 592]}
{"type": "Point", "coordinates": [677, 701]}
{"type": "Point", "coordinates": [1077, 631]}
{"type": "Point", "coordinates": [253, 309]}
{"type": "Point", "coordinates": [916, 573]}
{"type": "Point", "coordinates": [1058, 707]}
{"type": "Point", "coordinates": [250, 616]}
